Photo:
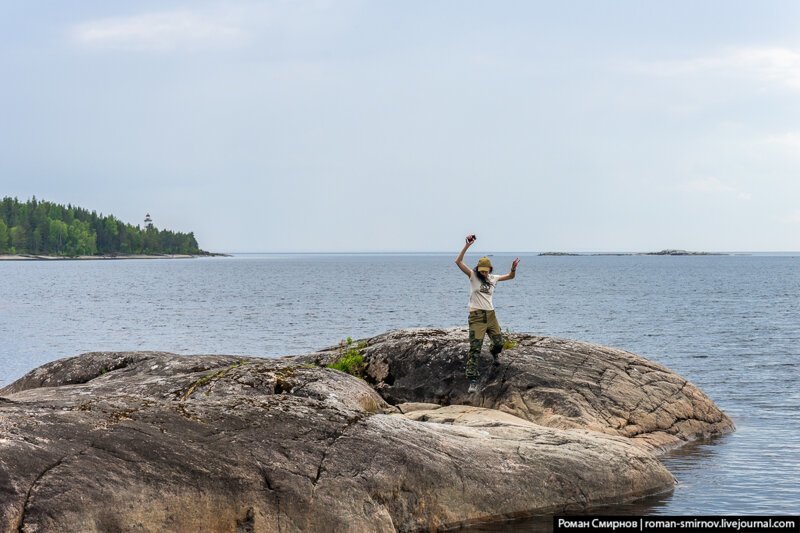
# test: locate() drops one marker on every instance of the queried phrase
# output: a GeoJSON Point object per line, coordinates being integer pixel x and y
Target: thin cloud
{"type": "Point", "coordinates": [165, 31]}
{"type": "Point", "coordinates": [790, 140]}
{"type": "Point", "coordinates": [774, 65]}
{"type": "Point", "coordinates": [713, 185]}
{"type": "Point", "coordinates": [791, 218]}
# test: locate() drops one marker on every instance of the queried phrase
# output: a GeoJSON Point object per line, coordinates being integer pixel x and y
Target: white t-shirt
{"type": "Point", "coordinates": [480, 294]}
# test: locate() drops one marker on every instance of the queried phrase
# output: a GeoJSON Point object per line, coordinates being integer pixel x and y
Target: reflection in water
{"type": "Point", "coordinates": [719, 476]}
{"type": "Point", "coordinates": [544, 523]}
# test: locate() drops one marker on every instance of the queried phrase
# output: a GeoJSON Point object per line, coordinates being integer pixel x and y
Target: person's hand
{"type": "Point", "coordinates": [471, 239]}
{"type": "Point", "coordinates": [514, 264]}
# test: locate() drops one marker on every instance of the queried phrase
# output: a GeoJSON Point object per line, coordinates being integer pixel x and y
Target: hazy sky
{"type": "Point", "coordinates": [402, 126]}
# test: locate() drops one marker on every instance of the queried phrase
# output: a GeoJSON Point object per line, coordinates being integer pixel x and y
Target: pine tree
{"type": "Point", "coordinates": [3, 236]}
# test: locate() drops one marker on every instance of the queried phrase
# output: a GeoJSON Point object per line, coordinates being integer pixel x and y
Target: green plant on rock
{"type": "Point", "coordinates": [350, 359]}
{"type": "Point", "coordinates": [508, 342]}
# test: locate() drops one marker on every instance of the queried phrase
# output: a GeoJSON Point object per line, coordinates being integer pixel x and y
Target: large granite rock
{"type": "Point", "coordinates": [152, 441]}
{"type": "Point", "coordinates": [556, 383]}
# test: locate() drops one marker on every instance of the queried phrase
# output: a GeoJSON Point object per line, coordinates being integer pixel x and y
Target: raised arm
{"type": "Point", "coordinates": [513, 273]}
{"type": "Point", "coordinates": [460, 259]}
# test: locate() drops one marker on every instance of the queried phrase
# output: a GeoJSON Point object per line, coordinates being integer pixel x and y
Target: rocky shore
{"type": "Point", "coordinates": [153, 441]}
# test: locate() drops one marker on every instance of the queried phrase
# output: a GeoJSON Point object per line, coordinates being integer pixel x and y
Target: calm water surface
{"type": "Point", "coordinates": [730, 324]}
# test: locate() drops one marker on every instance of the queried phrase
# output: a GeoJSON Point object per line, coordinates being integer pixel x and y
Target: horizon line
{"type": "Point", "coordinates": [513, 252]}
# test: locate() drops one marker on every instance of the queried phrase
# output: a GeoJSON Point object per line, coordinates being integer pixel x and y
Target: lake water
{"type": "Point", "coordinates": [730, 324]}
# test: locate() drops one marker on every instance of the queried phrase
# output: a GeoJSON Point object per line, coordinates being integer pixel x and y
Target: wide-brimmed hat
{"type": "Point", "coordinates": [484, 265]}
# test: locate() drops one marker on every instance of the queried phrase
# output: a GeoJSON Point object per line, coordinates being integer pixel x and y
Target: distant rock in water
{"type": "Point", "coordinates": [681, 252]}
{"type": "Point", "coordinates": [556, 254]}
{"type": "Point", "coordinates": [151, 441]}
{"type": "Point", "coordinates": [662, 252]}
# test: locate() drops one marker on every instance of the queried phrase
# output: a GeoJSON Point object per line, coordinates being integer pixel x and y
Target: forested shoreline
{"type": "Point", "coordinates": [40, 227]}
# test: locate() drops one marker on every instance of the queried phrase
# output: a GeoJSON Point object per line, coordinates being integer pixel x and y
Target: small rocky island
{"type": "Point", "coordinates": [681, 252]}
{"type": "Point", "coordinates": [135, 441]}
{"type": "Point", "coordinates": [661, 252]}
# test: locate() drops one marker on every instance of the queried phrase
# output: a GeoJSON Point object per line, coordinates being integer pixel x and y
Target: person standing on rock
{"type": "Point", "coordinates": [482, 318]}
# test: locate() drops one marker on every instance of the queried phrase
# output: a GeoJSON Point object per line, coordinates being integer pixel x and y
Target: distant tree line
{"type": "Point", "coordinates": [40, 227]}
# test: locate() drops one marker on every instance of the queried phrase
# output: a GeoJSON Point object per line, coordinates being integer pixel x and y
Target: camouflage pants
{"type": "Point", "coordinates": [480, 323]}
